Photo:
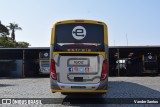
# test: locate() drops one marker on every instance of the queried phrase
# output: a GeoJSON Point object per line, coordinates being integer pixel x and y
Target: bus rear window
{"type": "Point", "coordinates": [79, 37]}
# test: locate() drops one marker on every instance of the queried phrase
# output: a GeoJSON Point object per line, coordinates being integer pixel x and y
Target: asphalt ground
{"type": "Point", "coordinates": [119, 88]}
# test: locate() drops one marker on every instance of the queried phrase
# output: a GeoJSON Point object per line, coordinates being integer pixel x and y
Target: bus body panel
{"type": "Point", "coordinates": [91, 72]}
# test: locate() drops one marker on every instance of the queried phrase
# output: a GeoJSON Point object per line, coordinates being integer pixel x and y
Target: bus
{"type": "Point", "coordinates": [150, 63]}
{"type": "Point", "coordinates": [44, 62]}
{"type": "Point", "coordinates": [145, 64]}
{"type": "Point", "coordinates": [79, 57]}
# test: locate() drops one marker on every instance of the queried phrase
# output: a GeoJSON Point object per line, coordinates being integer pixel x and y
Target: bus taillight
{"type": "Point", "coordinates": [104, 70]}
{"type": "Point", "coordinates": [53, 70]}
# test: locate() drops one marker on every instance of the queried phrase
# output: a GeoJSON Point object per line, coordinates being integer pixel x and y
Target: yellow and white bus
{"type": "Point", "coordinates": [79, 57]}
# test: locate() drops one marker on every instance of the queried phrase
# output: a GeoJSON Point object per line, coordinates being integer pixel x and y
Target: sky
{"type": "Point", "coordinates": [135, 21]}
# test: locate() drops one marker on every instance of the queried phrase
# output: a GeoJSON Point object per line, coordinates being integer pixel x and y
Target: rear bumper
{"type": "Point", "coordinates": [100, 87]}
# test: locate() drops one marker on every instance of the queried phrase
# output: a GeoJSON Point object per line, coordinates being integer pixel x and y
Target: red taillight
{"type": "Point", "coordinates": [104, 70]}
{"type": "Point", "coordinates": [53, 70]}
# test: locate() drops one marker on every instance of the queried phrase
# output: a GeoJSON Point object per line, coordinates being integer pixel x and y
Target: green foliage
{"type": "Point", "coordinates": [3, 30]}
{"type": "Point", "coordinates": [7, 42]}
{"type": "Point", "coordinates": [10, 42]}
{"type": "Point", "coordinates": [13, 27]}
{"type": "Point", "coordinates": [22, 44]}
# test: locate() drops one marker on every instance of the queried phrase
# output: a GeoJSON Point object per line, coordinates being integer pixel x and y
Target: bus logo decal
{"type": "Point", "coordinates": [70, 69]}
{"type": "Point", "coordinates": [81, 69]}
{"type": "Point", "coordinates": [79, 32]}
{"type": "Point", "coordinates": [87, 69]}
{"type": "Point", "coordinates": [75, 69]}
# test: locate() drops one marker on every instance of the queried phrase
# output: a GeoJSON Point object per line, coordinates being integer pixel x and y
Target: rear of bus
{"type": "Point", "coordinates": [79, 57]}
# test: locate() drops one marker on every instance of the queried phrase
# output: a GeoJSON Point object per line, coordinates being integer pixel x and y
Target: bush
{"type": "Point", "coordinates": [7, 42]}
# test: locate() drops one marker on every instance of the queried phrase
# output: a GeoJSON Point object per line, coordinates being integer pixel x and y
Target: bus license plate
{"type": "Point", "coordinates": [78, 62]}
{"type": "Point", "coordinates": [78, 79]}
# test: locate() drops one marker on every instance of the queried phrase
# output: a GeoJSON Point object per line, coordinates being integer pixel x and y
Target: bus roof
{"type": "Point", "coordinates": [79, 21]}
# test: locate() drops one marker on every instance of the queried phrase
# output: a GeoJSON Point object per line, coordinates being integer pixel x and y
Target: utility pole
{"type": "Point", "coordinates": [118, 63]}
{"type": "Point", "coordinates": [127, 39]}
{"type": "Point", "coordinates": [23, 64]}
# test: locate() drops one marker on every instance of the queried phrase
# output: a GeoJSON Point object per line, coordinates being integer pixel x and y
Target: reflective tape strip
{"type": "Point", "coordinates": [99, 91]}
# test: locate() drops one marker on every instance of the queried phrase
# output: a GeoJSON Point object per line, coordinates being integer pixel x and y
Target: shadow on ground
{"type": "Point", "coordinates": [117, 90]}
{"type": "Point", "coordinates": [6, 85]}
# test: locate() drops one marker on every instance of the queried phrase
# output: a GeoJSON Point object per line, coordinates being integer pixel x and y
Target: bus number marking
{"type": "Point", "coordinates": [78, 62]}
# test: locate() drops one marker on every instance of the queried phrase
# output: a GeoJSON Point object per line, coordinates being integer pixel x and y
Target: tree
{"type": "Point", "coordinates": [7, 42]}
{"type": "Point", "coordinates": [10, 42]}
{"type": "Point", "coordinates": [3, 30]}
{"type": "Point", "coordinates": [22, 44]}
{"type": "Point", "coordinates": [13, 27]}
